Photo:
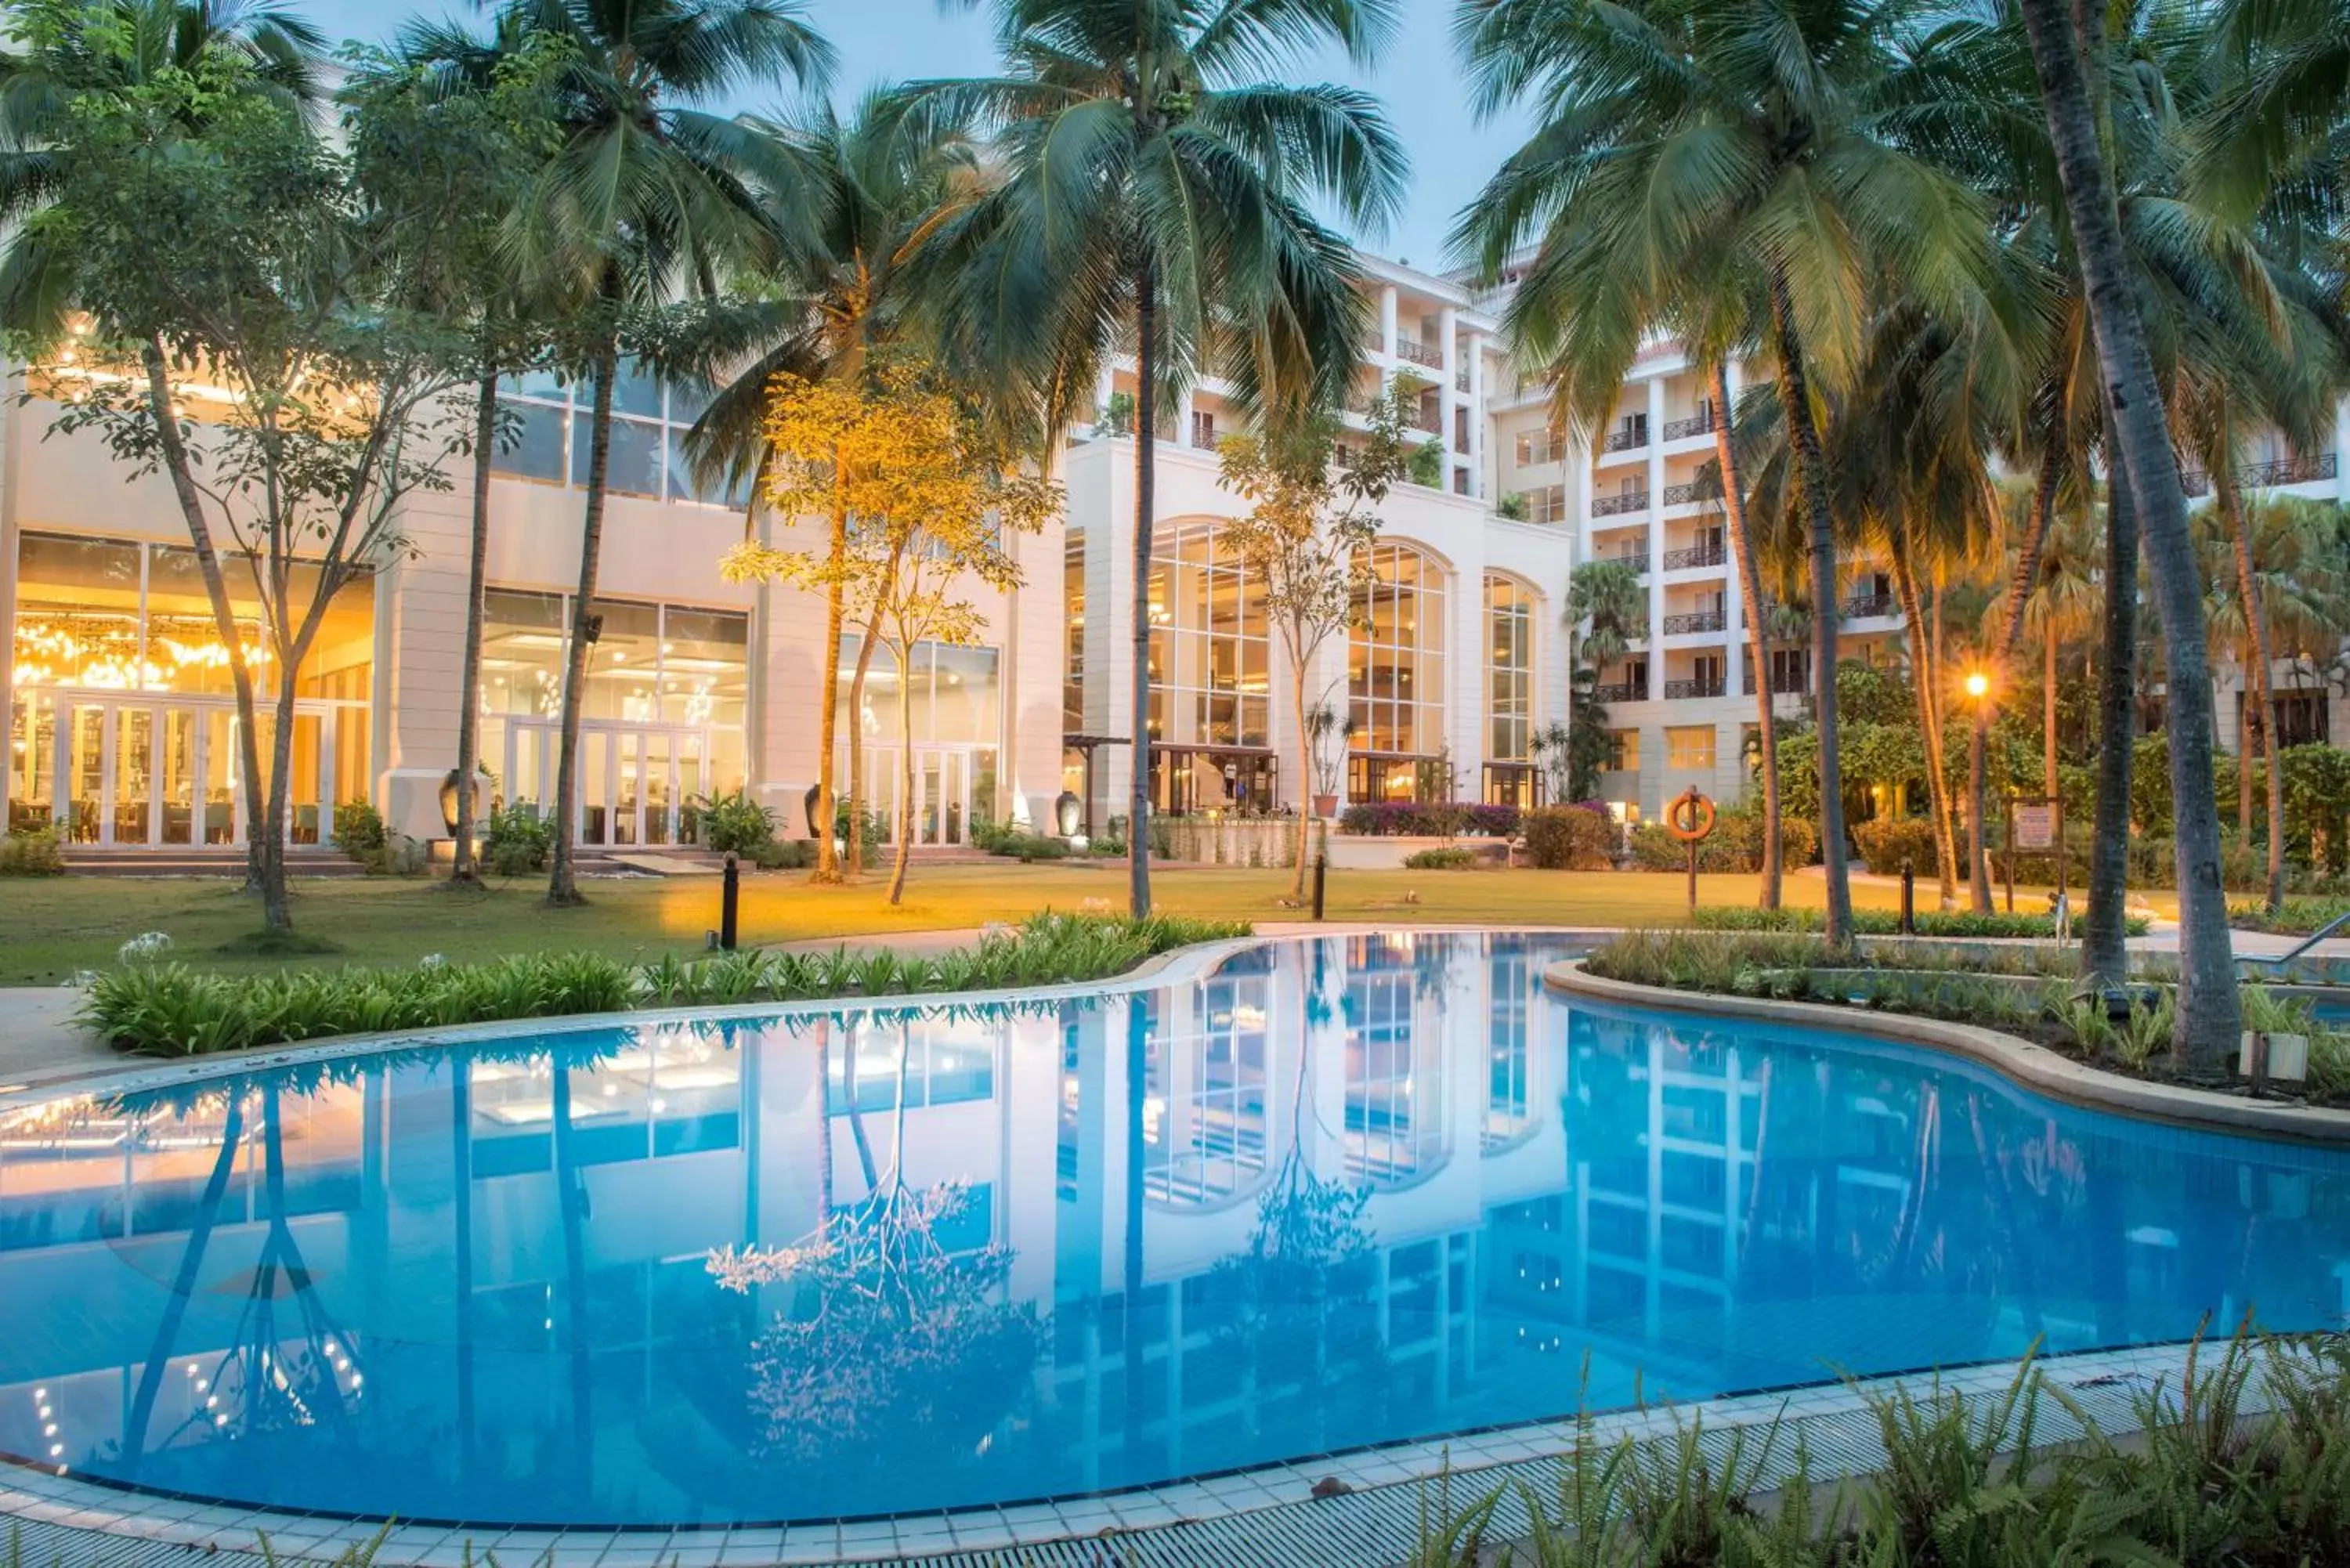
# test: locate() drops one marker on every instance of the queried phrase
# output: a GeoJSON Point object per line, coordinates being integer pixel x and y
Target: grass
{"type": "Point", "coordinates": [52, 927]}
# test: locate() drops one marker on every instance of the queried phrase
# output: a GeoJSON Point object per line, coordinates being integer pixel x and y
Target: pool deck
{"type": "Point", "coordinates": [1355, 1510]}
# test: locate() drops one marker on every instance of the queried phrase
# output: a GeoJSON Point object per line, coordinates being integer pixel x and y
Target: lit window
{"type": "Point", "coordinates": [1689, 746]}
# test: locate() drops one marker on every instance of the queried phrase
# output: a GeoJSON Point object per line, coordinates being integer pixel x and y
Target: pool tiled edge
{"type": "Point", "coordinates": [1267, 1516]}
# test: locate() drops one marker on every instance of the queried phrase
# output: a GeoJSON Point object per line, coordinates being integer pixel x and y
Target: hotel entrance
{"type": "Point", "coordinates": [635, 780]}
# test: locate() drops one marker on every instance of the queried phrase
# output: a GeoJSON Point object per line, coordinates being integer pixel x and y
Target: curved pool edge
{"type": "Point", "coordinates": [2034, 1067]}
{"type": "Point", "coordinates": [1269, 1516]}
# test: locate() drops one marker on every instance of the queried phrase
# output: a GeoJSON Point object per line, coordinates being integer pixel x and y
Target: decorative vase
{"type": "Point", "coordinates": [1325, 805]}
{"type": "Point", "coordinates": [1067, 811]}
{"type": "Point", "coordinates": [809, 809]}
{"type": "Point", "coordinates": [448, 801]}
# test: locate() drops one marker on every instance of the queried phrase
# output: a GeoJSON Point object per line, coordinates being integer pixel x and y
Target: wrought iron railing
{"type": "Point", "coordinates": [2311, 470]}
{"type": "Point", "coordinates": [1617, 692]}
{"type": "Point", "coordinates": [1709, 687]}
{"type": "Point", "coordinates": [1862, 606]}
{"type": "Point", "coordinates": [1628, 438]}
{"type": "Point", "coordinates": [1695, 425]}
{"type": "Point", "coordinates": [1694, 491]}
{"type": "Point", "coordinates": [1696, 620]}
{"type": "Point", "coordinates": [1695, 556]}
{"type": "Point", "coordinates": [1419, 353]}
{"type": "Point", "coordinates": [1617, 505]}
{"type": "Point", "coordinates": [1783, 682]}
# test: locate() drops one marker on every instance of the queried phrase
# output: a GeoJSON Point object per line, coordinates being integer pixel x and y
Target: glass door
{"type": "Point", "coordinates": [130, 794]}
{"type": "Point", "coordinates": [176, 777]}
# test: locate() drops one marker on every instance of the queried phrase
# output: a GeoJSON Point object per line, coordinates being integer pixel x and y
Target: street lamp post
{"type": "Point", "coordinates": [1978, 869]}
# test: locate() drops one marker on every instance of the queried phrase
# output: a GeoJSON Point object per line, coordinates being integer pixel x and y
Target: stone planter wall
{"type": "Point", "coordinates": [1232, 841]}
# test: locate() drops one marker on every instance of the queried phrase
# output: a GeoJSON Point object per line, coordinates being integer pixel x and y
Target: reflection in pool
{"type": "Point", "coordinates": [1334, 1193]}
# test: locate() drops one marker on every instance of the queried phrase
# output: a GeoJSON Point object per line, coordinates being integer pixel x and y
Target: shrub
{"type": "Point", "coordinates": [2295, 917]}
{"type": "Point", "coordinates": [733, 824]}
{"type": "Point", "coordinates": [517, 841]}
{"type": "Point", "coordinates": [1735, 844]}
{"type": "Point", "coordinates": [1948, 924]}
{"type": "Point", "coordinates": [359, 830]}
{"type": "Point", "coordinates": [33, 852]}
{"type": "Point", "coordinates": [1444, 859]}
{"type": "Point", "coordinates": [1009, 840]}
{"type": "Point", "coordinates": [1892, 845]}
{"type": "Point", "coordinates": [1570, 839]}
{"type": "Point", "coordinates": [1415, 819]}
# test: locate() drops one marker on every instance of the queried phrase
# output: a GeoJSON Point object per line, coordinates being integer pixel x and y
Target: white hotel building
{"type": "Point", "coordinates": [120, 725]}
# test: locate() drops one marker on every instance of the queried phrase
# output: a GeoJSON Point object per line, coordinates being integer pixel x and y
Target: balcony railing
{"type": "Point", "coordinates": [1695, 425]}
{"type": "Point", "coordinates": [2311, 470]}
{"type": "Point", "coordinates": [1632, 553]}
{"type": "Point", "coordinates": [1860, 606]}
{"type": "Point", "coordinates": [1618, 692]}
{"type": "Point", "coordinates": [1783, 682]}
{"type": "Point", "coordinates": [1696, 620]}
{"type": "Point", "coordinates": [1695, 556]}
{"type": "Point", "coordinates": [1694, 491]}
{"type": "Point", "coordinates": [1460, 380]}
{"type": "Point", "coordinates": [1418, 353]}
{"type": "Point", "coordinates": [1429, 421]}
{"type": "Point", "coordinates": [1627, 439]}
{"type": "Point", "coordinates": [1706, 686]}
{"type": "Point", "coordinates": [1617, 505]}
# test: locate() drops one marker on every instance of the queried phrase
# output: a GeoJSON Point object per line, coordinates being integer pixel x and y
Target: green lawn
{"type": "Point", "coordinates": [50, 928]}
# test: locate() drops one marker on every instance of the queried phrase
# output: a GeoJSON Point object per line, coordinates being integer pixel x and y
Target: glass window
{"type": "Point", "coordinates": [1509, 669]}
{"type": "Point", "coordinates": [1211, 652]}
{"type": "Point", "coordinates": [537, 452]}
{"type": "Point", "coordinates": [624, 665]}
{"type": "Point", "coordinates": [1072, 617]}
{"type": "Point", "coordinates": [634, 391]}
{"type": "Point", "coordinates": [1396, 655]}
{"type": "Point", "coordinates": [963, 694]}
{"type": "Point", "coordinates": [77, 612]}
{"type": "Point", "coordinates": [1624, 751]}
{"type": "Point", "coordinates": [956, 694]}
{"type": "Point", "coordinates": [634, 467]}
{"type": "Point", "coordinates": [522, 652]}
{"type": "Point", "coordinates": [704, 666]}
{"type": "Point", "coordinates": [1689, 746]}
{"type": "Point", "coordinates": [1546, 503]}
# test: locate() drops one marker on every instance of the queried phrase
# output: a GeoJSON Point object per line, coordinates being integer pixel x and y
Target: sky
{"type": "Point", "coordinates": [898, 40]}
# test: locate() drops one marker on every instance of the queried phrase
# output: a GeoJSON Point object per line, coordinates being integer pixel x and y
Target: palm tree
{"type": "Point", "coordinates": [647, 195]}
{"type": "Point", "coordinates": [1730, 478]}
{"type": "Point", "coordinates": [879, 189]}
{"type": "Point", "coordinates": [1696, 161]}
{"type": "Point", "coordinates": [1154, 201]}
{"type": "Point", "coordinates": [2061, 604]}
{"type": "Point", "coordinates": [1606, 612]}
{"type": "Point", "coordinates": [2210, 1015]}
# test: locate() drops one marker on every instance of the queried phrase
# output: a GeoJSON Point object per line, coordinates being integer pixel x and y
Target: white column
{"type": "Point", "coordinates": [1387, 328]}
{"type": "Point", "coordinates": [1105, 385]}
{"type": "Point", "coordinates": [1477, 413]}
{"type": "Point", "coordinates": [1448, 399]}
{"type": "Point", "coordinates": [1183, 419]}
{"type": "Point", "coordinates": [1733, 605]}
{"type": "Point", "coordinates": [2341, 450]}
{"type": "Point", "coordinates": [1656, 389]}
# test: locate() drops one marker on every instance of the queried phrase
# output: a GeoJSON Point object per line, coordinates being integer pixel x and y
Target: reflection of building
{"type": "Point", "coordinates": [1333, 1192]}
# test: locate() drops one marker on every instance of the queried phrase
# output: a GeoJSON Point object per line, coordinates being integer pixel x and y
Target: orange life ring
{"type": "Point", "coordinates": [1700, 812]}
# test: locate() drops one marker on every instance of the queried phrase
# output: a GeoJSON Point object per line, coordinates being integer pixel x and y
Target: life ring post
{"type": "Point", "coordinates": [1690, 819]}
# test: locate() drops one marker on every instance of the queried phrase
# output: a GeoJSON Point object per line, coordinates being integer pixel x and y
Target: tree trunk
{"type": "Point", "coordinates": [1305, 766]}
{"type": "Point", "coordinates": [177, 465]}
{"type": "Point", "coordinates": [562, 883]}
{"type": "Point", "coordinates": [836, 614]}
{"type": "Point", "coordinates": [2010, 627]}
{"type": "Point", "coordinates": [1146, 465]}
{"type": "Point", "coordinates": [2051, 782]}
{"type": "Point", "coordinates": [2211, 1016]}
{"type": "Point", "coordinates": [1811, 472]}
{"type": "Point", "coordinates": [1750, 588]}
{"type": "Point", "coordinates": [277, 914]}
{"type": "Point", "coordinates": [856, 834]}
{"type": "Point", "coordinates": [2103, 958]}
{"type": "Point", "coordinates": [2260, 702]}
{"type": "Point", "coordinates": [905, 657]}
{"type": "Point", "coordinates": [1922, 666]}
{"type": "Point", "coordinates": [463, 866]}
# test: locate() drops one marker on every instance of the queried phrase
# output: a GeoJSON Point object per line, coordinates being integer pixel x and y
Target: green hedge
{"type": "Point", "coordinates": [1735, 844]}
{"type": "Point", "coordinates": [1570, 839]}
{"type": "Point", "coordinates": [171, 1010]}
{"type": "Point", "coordinates": [1948, 923]}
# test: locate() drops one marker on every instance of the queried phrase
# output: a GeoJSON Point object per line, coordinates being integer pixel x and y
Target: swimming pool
{"type": "Point", "coordinates": [1324, 1194]}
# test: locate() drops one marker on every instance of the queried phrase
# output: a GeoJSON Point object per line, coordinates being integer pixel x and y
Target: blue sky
{"type": "Point", "coordinates": [895, 40]}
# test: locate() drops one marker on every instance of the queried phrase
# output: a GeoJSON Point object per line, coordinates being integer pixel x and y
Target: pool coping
{"type": "Point", "coordinates": [1348, 1509]}
{"type": "Point", "coordinates": [2033, 1066]}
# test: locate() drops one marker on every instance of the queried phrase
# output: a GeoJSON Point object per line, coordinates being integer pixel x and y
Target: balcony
{"type": "Point", "coordinates": [1695, 556]}
{"type": "Point", "coordinates": [1618, 692]}
{"type": "Point", "coordinates": [1632, 553]}
{"type": "Point", "coordinates": [1695, 425]}
{"type": "Point", "coordinates": [1694, 621]}
{"type": "Point", "coordinates": [1418, 353]}
{"type": "Point", "coordinates": [1617, 506]}
{"type": "Point", "coordinates": [1861, 606]}
{"type": "Point", "coordinates": [1783, 682]}
{"type": "Point", "coordinates": [2314, 470]}
{"type": "Point", "coordinates": [1696, 490]}
{"type": "Point", "coordinates": [1704, 686]}
{"type": "Point", "coordinates": [1626, 440]}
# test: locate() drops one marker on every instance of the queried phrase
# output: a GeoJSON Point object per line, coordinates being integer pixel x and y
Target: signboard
{"type": "Point", "coordinates": [2035, 824]}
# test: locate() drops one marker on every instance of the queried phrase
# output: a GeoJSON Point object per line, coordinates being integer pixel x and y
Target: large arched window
{"type": "Point", "coordinates": [1395, 678]}
{"type": "Point", "coordinates": [1211, 671]}
{"type": "Point", "coordinates": [1510, 774]}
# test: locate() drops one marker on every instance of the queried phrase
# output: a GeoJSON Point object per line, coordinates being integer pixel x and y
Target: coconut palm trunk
{"type": "Point", "coordinates": [2011, 629]}
{"type": "Point", "coordinates": [905, 657]}
{"type": "Point", "coordinates": [1305, 772]}
{"type": "Point", "coordinates": [463, 866]}
{"type": "Point", "coordinates": [1750, 589]}
{"type": "Point", "coordinates": [836, 614]}
{"type": "Point", "coordinates": [2210, 1015]}
{"type": "Point", "coordinates": [2050, 784]}
{"type": "Point", "coordinates": [1146, 465]}
{"type": "Point", "coordinates": [1812, 479]}
{"type": "Point", "coordinates": [1922, 666]}
{"type": "Point", "coordinates": [2260, 701]}
{"type": "Point", "coordinates": [562, 882]}
{"type": "Point", "coordinates": [2103, 958]}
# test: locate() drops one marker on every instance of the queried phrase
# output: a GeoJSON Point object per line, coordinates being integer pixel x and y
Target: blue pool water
{"type": "Point", "coordinates": [1334, 1193]}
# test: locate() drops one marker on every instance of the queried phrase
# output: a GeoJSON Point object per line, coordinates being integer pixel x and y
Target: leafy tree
{"type": "Point", "coordinates": [1303, 540]}
{"type": "Point", "coordinates": [932, 502]}
{"type": "Point", "coordinates": [244, 333]}
{"type": "Point", "coordinates": [1606, 612]}
{"type": "Point", "coordinates": [1155, 202]}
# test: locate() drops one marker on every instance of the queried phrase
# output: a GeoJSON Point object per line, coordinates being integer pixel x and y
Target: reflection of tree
{"type": "Point", "coordinates": [886, 1331]}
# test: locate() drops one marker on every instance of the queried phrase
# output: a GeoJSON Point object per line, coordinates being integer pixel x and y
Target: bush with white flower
{"type": "Point", "coordinates": [145, 949]}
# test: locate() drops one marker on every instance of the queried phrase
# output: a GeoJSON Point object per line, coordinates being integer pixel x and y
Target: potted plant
{"type": "Point", "coordinates": [1327, 736]}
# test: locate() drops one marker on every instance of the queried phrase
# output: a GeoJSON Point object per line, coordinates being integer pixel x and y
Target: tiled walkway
{"type": "Point", "coordinates": [1266, 1518]}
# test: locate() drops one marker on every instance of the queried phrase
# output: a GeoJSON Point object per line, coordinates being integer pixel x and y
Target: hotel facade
{"type": "Point", "coordinates": [122, 726]}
